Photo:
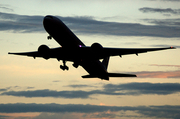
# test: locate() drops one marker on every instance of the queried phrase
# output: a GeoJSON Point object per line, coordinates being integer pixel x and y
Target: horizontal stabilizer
{"type": "Point", "coordinates": [89, 76]}
{"type": "Point", "coordinates": [110, 75]}
{"type": "Point", "coordinates": [120, 75]}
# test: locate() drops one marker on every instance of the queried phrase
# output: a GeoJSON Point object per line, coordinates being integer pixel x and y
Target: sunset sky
{"type": "Point", "coordinates": [39, 89]}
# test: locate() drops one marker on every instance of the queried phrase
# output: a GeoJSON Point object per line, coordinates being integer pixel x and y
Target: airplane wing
{"type": "Point", "coordinates": [127, 51]}
{"type": "Point", "coordinates": [49, 52]}
{"type": "Point", "coordinates": [86, 52]}
{"type": "Point", "coordinates": [57, 53]}
{"type": "Point", "coordinates": [106, 52]}
{"type": "Point", "coordinates": [32, 54]}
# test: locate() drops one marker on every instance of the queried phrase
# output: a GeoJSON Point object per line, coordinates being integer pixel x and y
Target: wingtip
{"type": "Point", "coordinates": [11, 53]}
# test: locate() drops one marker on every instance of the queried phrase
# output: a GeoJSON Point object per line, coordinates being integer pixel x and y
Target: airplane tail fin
{"type": "Point", "coordinates": [105, 62]}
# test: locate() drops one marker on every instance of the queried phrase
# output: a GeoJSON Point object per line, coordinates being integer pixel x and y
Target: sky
{"type": "Point", "coordinates": [39, 89]}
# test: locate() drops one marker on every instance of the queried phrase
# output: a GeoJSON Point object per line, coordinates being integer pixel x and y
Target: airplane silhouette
{"type": "Point", "coordinates": [75, 51]}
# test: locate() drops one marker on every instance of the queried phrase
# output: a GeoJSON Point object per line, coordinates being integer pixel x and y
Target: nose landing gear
{"type": "Point", "coordinates": [49, 37]}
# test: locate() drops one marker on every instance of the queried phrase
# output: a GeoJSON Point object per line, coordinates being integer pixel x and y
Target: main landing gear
{"type": "Point", "coordinates": [64, 67]}
{"type": "Point", "coordinates": [75, 65]}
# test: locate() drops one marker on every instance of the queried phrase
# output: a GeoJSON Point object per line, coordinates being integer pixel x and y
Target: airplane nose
{"type": "Point", "coordinates": [48, 17]}
{"type": "Point", "coordinates": [47, 20]}
{"type": "Point", "coordinates": [50, 22]}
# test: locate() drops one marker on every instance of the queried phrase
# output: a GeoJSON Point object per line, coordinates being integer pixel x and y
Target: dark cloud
{"type": "Point", "coordinates": [14, 87]}
{"type": "Point", "coordinates": [144, 88]}
{"type": "Point", "coordinates": [50, 93]}
{"type": "Point", "coordinates": [91, 26]}
{"type": "Point", "coordinates": [5, 8]}
{"type": "Point", "coordinates": [46, 115]}
{"type": "Point", "coordinates": [80, 86]}
{"type": "Point", "coordinates": [21, 107]}
{"type": "Point", "coordinates": [165, 111]}
{"type": "Point", "coordinates": [109, 89]}
{"type": "Point", "coordinates": [3, 89]}
{"type": "Point", "coordinates": [30, 87]}
{"type": "Point", "coordinates": [4, 117]}
{"type": "Point", "coordinates": [86, 25]}
{"type": "Point", "coordinates": [56, 81]}
{"type": "Point", "coordinates": [20, 23]}
{"type": "Point", "coordinates": [164, 22]}
{"type": "Point", "coordinates": [160, 10]}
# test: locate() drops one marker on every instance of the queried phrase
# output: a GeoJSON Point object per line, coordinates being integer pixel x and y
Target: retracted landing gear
{"type": "Point", "coordinates": [63, 67]}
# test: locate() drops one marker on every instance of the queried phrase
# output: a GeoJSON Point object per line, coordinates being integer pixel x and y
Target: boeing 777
{"type": "Point", "coordinates": [72, 49]}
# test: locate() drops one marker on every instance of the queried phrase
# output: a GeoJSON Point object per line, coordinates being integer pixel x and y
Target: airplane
{"type": "Point", "coordinates": [74, 50]}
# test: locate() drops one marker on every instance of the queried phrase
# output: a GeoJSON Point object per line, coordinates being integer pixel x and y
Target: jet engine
{"type": "Point", "coordinates": [44, 51]}
{"type": "Point", "coordinates": [97, 49]}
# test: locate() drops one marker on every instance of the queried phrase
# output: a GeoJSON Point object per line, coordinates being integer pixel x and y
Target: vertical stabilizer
{"type": "Point", "coordinates": [105, 62]}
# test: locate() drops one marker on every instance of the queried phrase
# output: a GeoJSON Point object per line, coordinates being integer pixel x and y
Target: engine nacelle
{"type": "Point", "coordinates": [97, 49]}
{"type": "Point", "coordinates": [44, 51]}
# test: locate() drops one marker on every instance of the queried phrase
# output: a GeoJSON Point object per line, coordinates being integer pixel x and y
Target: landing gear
{"type": "Point", "coordinates": [63, 67]}
{"type": "Point", "coordinates": [49, 37]}
{"type": "Point", "coordinates": [76, 65]}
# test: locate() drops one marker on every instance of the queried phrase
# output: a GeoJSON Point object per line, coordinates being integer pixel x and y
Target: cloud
{"type": "Point", "coordinates": [20, 23]}
{"type": "Point", "coordinates": [176, 46]}
{"type": "Point", "coordinates": [159, 10]}
{"type": "Point", "coordinates": [44, 115]}
{"type": "Point", "coordinates": [55, 81]}
{"type": "Point", "coordinates": [14, 87]}
{"type": "Point", "coordinates": [50, 93]}
{"type": "Point", "coordinates": [22, 107]}
{"type": "Point", "coordinates": [109, 89]}
{"type": "Point", "coordinates": [164, 22]}
{"type": "Point", "coordinates": [85, 25]}
{"type": "Point", "coordinates": [67, 115]}
{"type": "Point", "coordinates": [4, 117]}
{"type": "Point", "coordinates": [144, 88]}
{"type": "Point", "coordinates": [178, 66]}
{"type": "Point", "coordinates": [5, 8]}
{"type": "Point", "coordinates": [30, 87]}
{"type": "Point", "coordinates": [80, 86]}
{"type": "Point", "coordinates": [158, 74]}
{"type": "Point", "coordinates": [6, 89]}
{"type": "Point", "coordinates": [96, 111]}
{"type": "Point", "coordinates": [171, 0]}
{"type": "Point", "coordinates": [3, 89]}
